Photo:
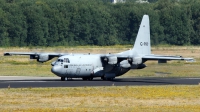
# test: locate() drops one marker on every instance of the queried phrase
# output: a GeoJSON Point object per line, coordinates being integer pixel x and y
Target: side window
{"type": "Point", "coordinates": [65, 66]}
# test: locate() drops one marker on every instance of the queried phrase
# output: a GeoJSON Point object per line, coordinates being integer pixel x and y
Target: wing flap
{"type": "Point", "coordinates": [162, 57]}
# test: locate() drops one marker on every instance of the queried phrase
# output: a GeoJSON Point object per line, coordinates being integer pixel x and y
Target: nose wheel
{"type": "Point", "coordinates": [62, 78]}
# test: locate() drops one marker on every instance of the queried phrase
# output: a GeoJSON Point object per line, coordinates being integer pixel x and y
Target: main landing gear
{"type": "Point", "coordinates": [87, 78]}
{"type": "Point", "coordinates": [64, 78]}
{"type": "Point", "coordinates": [104, 78]}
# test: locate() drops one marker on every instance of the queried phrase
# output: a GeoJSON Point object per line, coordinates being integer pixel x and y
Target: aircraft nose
{"type": "Point", "coordinates": [56, 70]}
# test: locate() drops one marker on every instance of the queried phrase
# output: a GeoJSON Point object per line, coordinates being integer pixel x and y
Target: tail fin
{"type": "Point", "coordinates": [142, 43]}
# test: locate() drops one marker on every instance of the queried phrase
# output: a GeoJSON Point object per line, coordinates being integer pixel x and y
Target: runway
{"type": "Point", "coordinates": [27, 82]}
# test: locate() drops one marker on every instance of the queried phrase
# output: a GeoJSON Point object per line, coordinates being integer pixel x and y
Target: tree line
{"type": "Point", "coordinates": [96, 22]}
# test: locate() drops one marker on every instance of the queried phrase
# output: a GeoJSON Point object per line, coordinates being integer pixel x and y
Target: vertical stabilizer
{"type": "Point", "coordinates": [142, 43]}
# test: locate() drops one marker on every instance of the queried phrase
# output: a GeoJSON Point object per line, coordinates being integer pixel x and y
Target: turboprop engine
{"type": "Point", "coordinates": [111, 60]}
{"type": "Point", "coordinates": [40, 57]}
{"type": "Point", "coordinates": [136, 63]}
{"type": "Point", "coordinates": [109, 63]}
{"type": "Point", "coordinates": [125, 64]}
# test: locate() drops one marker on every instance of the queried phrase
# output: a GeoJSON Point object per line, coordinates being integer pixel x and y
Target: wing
{"type": "Point", "coordinates": [41, 57]}
{"type": "Point", "coordinates": [164, 58]}
{"type": "Point", "coordinates": [117, 58]}
{"type": "Point", "coordinates": [34, 53]}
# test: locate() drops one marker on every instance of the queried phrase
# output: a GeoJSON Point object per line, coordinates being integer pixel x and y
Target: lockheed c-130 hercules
{"type": "Point", "coordinates": [106, 66]}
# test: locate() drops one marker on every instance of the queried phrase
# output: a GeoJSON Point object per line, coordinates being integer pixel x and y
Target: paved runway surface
{"type": "Point", "coordinates": [24, 82]}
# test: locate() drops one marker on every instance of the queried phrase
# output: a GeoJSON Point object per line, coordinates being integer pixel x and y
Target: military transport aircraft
{"type": "Point", "coordinates": [106, 66]}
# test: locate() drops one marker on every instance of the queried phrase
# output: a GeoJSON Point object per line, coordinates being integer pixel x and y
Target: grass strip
{"type": "Point", "coordinates": [125, 98]}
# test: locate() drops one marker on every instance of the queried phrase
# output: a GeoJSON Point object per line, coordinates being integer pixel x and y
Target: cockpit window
{"type": "Point", "coordinates": [60, 60]}
{"type": "Point", "coordinates": [66, 60]}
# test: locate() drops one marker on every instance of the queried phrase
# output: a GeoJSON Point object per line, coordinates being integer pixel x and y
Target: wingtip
{"type": "Point", "coordinates": [190, 60]}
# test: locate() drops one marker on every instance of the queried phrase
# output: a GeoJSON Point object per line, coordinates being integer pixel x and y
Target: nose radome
{"type": "Point", "coordinates": [56, 70]}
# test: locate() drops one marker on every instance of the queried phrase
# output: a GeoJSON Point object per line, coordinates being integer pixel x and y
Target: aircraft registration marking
{"type": "Point", "coordinates": [144, 43]}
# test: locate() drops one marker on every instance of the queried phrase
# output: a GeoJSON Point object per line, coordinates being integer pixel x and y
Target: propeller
{"type": "Point", "coordinates": [130, 60]}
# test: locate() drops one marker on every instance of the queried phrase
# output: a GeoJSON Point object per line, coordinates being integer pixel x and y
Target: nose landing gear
{"type": "Point", "coordinates": [62, 78]}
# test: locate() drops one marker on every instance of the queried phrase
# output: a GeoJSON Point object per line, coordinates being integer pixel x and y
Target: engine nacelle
{"type": "Point", "coordinates": [137, 61]}
{"type": "Point", "coordinates": [125, 64]}
{"type": "Point", "coordinates": [40, 57]}
{"type": "Point", "coordinates": [111, 60]}
{"type": "Point", "coordinates": [43, 57]}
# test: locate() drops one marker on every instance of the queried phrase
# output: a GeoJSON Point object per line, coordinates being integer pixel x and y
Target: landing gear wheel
{"type": "Point", "coordinates": [87, 78]}
{"type": "Point", "coordinates": [91, 78]}
{"type": "Point", "coordinates": [84, 78]}
{"type": "Point", "coordinates": [108, 79]}
{"type": "Point", "coordinates": [62, 78]}
{"type": "Point", "coordinates": [69, 78]}
{"type": "Point", "coordinates": [103, 78]}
